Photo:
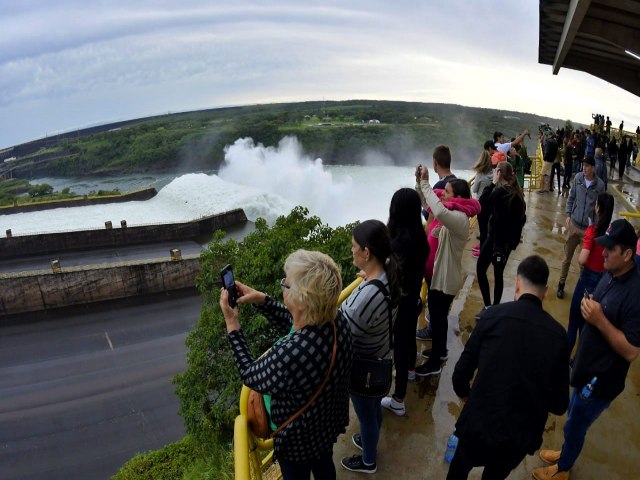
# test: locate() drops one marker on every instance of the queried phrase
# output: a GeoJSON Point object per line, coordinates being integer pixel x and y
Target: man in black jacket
{"type": "Point", "coordinates": [521, 357]}
{"type": "Point", "coordinates": [609, 342]}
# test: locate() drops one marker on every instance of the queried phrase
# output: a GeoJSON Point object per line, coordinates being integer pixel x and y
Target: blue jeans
{"type": "Point", "coordinates": [369, 412]}
{"type": "Point", "coordinates": [580, 415]}
{"type": "Point", "coordinates": [588, 281]}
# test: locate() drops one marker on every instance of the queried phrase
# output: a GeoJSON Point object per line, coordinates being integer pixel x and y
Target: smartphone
{"type": "Point", "coordinates": [586, 294]}
{"type": "Point", "coordinates": [229, 283]}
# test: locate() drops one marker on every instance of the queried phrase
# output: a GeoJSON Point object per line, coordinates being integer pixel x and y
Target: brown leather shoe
{"type": "Point", "coordinates": [550, 457]}
{"type": "Point", "coordinates": [549, 473]}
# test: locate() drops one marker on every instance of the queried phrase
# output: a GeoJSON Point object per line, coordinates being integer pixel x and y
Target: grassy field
{"type": "Point", "coordinates": [337, 132]}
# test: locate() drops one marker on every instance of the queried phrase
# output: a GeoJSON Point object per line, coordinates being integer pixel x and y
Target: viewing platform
{"type": "Point", "coordinates": [412, 446]}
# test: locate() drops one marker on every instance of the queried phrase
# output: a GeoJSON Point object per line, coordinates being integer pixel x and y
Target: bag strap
{"type": "Point", "coordinates": [387, 297]}
{"type": "Point", "coordinates": [315, 395]}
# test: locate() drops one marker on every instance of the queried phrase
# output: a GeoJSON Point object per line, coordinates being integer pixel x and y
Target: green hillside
{"type": "Point", "coordinates": [345, 132]}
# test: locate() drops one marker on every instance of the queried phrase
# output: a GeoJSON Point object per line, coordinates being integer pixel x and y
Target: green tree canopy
{"type": "Point", "coordinates": [209, 389]}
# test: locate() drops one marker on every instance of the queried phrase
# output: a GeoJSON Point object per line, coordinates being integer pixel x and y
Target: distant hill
{"type": "Point", "coordinates": [346, 132]}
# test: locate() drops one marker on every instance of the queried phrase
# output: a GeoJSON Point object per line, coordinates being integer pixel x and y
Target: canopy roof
{"type": "Point", "coordinates": [592, 36]}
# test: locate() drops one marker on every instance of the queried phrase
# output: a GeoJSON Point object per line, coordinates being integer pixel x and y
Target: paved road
{"type": "Point", "coordinates": [82, 393]}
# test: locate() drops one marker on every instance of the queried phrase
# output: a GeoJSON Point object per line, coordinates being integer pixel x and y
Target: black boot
{"type": "Point", "coordinates": [560, 292]}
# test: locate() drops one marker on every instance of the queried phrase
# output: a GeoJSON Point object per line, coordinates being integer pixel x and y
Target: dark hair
{"type": "Point", "coordinates": [442, 155]}
{"type": "Point", "coordinates": [496, 135]}
{"type": "Point", "coordinates": [374, 235]}
{"type": "Point", "coordinates": [512, 186]}
{"type": "Point", "coordinates": [460, 188]}
{"type": "Point", "coordinates": [603, 219]}
{"type": "Point", "coordinates": [535, 270]}
{"type": "Point", "coordinates": [405, 218]}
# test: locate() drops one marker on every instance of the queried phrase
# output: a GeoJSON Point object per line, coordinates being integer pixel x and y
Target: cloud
{"type": "Point", "coordinates": [70, 63]}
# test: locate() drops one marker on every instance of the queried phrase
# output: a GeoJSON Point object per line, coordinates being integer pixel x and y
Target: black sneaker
{"type": "Point", "coordinates": [427, 353]}
{"type": "Point", "coordinates": [357, 440]}
{"type": "Point", "coordinates": [426, 370]}
{"type": "Point", "coordinates": [560, 292]}
{"type": "Point", "coordinates": [356, 464]}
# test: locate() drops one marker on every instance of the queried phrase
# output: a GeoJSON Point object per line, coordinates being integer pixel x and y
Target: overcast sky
{"type": "Point", "coordinates": [68, 64]}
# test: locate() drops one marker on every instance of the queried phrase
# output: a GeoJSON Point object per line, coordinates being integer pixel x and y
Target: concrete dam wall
{"type": "Point", "coordinates": [31, 291]}
{"type": "Point", "coordinates": [24, 246]}
{"type": "Point", "coordinates": [43, 290]}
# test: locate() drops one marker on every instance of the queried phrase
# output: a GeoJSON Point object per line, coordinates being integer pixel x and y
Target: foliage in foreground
{"type": "Point", "coordinates": [209, 388]}
{"type": "Point", "coordinates": [185, 459]}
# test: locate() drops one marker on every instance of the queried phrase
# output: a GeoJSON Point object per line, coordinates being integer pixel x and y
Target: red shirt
{"type": "Point", "coordinates": [595, 261]}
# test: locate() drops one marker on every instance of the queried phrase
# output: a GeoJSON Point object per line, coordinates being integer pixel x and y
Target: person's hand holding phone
{"type": "Point", "coordinates": [249, 295]}
{"type": "Point", "coordinates": [230, 313]}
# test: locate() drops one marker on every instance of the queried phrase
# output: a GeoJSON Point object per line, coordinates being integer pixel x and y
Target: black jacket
{"type": "Point", "coordinates": [521, 356]}
{"type": "Point", "coordinates": [505, 214]}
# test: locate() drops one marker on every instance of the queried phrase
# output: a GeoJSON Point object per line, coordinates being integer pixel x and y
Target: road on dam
{"type": "Point", "coordinates": [82, 392]}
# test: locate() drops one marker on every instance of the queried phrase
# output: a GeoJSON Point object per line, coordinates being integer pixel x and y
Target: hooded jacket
{"type": "Point", "coordinates": [453, 231]}
{"type": "Point", "coordinates": [582, 200]}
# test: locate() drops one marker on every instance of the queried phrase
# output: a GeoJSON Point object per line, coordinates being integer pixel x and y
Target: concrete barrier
{"type": "Point", "coordinates": [139, 195]}
{"type": "Point", "coordinates": [44, 290]}
{"type": "Point", "coordinates": [26, 245]}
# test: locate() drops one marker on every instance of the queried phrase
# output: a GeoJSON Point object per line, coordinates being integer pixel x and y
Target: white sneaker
{"type": "Point", "coordinates": [393, 405]}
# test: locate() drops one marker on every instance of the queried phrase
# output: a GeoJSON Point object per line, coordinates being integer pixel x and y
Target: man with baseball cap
{"type": "Point", "coordinates": [580, 210]}
{"type": "Point", "coordinates": [609, 342]}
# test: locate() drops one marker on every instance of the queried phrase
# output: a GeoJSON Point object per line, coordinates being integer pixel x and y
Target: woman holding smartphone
{"type": "Point", "coordinates": [303, 357]}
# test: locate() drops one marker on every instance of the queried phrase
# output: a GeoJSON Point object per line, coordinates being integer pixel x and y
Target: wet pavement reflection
{"type": "Point", "coordinates": [412, 446]}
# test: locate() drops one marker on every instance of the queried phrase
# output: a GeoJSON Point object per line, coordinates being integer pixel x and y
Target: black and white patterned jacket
{"type": "Point", "coordinates": [291, 372]}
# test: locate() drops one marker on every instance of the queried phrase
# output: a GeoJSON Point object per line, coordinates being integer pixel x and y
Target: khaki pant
{"type": "Point", "coordinates": [546, 176]}
{"type": "Point", "coordinates": [574, 237]}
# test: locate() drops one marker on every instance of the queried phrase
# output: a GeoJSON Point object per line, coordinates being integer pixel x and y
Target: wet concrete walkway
{"type": "Point", "coordinates": [412, 447]}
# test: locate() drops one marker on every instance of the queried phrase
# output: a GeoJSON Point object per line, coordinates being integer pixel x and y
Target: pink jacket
{"type": "Point", "coordinates": [469, 206]}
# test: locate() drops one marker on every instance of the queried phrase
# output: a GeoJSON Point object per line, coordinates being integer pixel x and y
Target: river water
{"type": "Point", "coordinates": [264, 181]}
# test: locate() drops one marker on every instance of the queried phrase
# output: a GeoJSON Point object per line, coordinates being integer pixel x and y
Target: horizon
{"type": "Point", "coordinates": [106, 63]}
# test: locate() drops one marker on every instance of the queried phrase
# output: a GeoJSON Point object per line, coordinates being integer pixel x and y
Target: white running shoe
{"type": "Point", "coordinates": [393, 405]}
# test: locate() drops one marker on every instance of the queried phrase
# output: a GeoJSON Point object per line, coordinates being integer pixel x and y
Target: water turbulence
{"type": "Point", "coordinates": [285, 172]}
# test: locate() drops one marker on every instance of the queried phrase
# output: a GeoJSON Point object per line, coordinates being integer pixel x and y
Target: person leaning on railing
{"type": "Point", "coordinates": [293, 370]}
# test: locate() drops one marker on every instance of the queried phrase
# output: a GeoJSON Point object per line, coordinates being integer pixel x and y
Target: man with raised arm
{"type": "Point", "coordinates": [609, 342]}
{"type": "Point", "coordinates": [518, 360]}
{"type": "Point", "coordinates": [503, 146]}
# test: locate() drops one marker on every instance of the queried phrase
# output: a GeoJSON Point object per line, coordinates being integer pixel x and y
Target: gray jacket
{"type": "Point", "coordinates": [582, 200]}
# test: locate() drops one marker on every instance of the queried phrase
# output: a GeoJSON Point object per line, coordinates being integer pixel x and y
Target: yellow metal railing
{"type": "Point", "coordinates": [253, 456]}
{"type": "Point", "coordinates": [630, 215]}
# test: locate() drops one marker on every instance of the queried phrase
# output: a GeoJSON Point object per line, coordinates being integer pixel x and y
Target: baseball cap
{"type": "Point", "coordinates": [620, 232]}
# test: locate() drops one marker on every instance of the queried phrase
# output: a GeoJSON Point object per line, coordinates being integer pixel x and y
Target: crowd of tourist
{"type": "Point", "coordinates": [516, 367]}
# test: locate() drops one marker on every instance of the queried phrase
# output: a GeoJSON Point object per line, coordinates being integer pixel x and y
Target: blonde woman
{"type": "Point", "coordinates": [295, 367]}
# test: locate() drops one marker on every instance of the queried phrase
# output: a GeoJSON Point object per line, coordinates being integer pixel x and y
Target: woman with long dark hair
{"type": "Point", "coordinates": [367, 310]}
{"type": "Point", "coordinates": [504, 203]}
{"type": "Point", "coordinates": [409, 242]}
{"type": "Point", "coordinates": [592, 263]}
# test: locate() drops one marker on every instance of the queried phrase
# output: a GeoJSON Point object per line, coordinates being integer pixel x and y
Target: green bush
{"type": "Point", "coordinates": [41, 190]}
{"type": "Point", "coordinates": [209, 389]}
{"type": "Point", "coordinates": [184, 459]}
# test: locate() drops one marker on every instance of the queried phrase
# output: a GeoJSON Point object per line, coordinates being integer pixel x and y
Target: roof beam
{"type": "Point", "coordinates": [575, 15]}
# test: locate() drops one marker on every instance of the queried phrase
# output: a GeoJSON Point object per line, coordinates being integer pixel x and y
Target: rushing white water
{"type": "Point", "coordinates": [264, 181]}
